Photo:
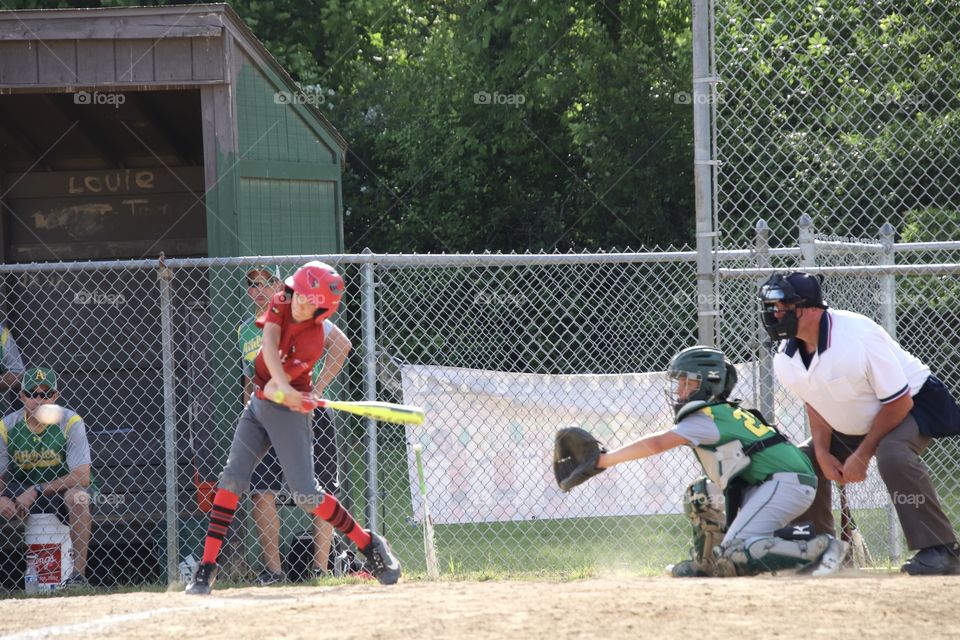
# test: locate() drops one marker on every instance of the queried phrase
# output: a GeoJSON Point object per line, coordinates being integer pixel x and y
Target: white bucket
{"type": "Point", "coordinates": [49, 552]}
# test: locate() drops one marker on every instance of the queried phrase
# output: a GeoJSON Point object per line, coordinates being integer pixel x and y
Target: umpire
{"type": "Point", "coordinates": [865, 396]}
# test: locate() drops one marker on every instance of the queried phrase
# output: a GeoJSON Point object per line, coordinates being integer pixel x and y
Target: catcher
{"type": "Point", "coordinates": [764, 480]}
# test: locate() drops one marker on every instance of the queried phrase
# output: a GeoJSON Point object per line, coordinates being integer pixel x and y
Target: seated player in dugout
{"type": "Point", "coordinates": [293, 342]}
{"type": "Point", "coordinates": [763, 480]}
{"type": "Point", "coordinates": [865, 397]}
{"type": "Point", "coordinates": [45, 468]}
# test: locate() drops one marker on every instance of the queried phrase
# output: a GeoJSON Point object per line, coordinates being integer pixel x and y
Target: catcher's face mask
{"type": "Point", "coordinates": [682, 387]}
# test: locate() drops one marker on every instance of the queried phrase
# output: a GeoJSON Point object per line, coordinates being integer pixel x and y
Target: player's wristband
{"type": "Point", "coordinates": [39, 489]}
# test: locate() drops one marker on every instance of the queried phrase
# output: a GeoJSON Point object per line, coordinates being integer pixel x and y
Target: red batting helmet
{"type": "Point", "coordinates": [320, 284]}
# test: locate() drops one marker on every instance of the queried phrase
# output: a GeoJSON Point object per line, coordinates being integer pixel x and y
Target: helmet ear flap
{"type": "Point", "coordinates": [730, 379]}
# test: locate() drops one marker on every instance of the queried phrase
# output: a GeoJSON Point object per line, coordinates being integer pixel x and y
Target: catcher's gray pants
{"type": "Point", "coordinates": [261, 424]}
{"type": "Point", "coordinates": [771, 506]}
{"type": "Point", "coordinates": [898, 460]}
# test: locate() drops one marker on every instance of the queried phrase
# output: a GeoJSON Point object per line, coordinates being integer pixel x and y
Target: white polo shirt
{"type": "Point", "coordinates": [857, 368]}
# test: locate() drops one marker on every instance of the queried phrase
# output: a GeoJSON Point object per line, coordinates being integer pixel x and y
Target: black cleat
{"type": "Point", "coordinates": [267, 578]}
{"type": "Point", "coordinates": [203, 579]}
{"type": "Point", "coordinates": [380, 560]}
{"type": "Point", "coordinates": [940, 560]}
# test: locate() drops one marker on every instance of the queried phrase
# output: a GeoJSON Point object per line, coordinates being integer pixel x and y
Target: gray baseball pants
{"type": "Point", "coordinates": [264, 423]}
{"type": "Point", "coordinates": [770, 506]}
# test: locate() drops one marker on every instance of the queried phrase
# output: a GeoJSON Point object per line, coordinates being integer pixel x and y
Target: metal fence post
{"type": "Point", "coordinates": [703, 163]}
{"type": "Point", "coordinates": [808, 249]}
{"type": "Point", "coordinates": [165, 277]}
{"type": "Point", "coordinates": [368, 320]}
{"type": "Point", "coordinates": [765, 358]}
{"type": "Point", "coordinates": [808, 258]}
{"type": "Point", "coordinates": [888, 318]}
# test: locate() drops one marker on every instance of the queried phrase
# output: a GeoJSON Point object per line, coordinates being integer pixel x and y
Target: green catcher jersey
{"type": "Point", "coordinates": [32, 458]}
{"type": "Point", "coordinates": [722, 423]}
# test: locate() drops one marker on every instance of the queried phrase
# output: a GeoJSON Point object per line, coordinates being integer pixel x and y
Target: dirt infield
{"type": "Point", "coordinates": [872, 606]}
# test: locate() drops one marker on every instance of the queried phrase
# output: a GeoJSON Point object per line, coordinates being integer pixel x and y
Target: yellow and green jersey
{"type": "Point", "coordinates": [34, 457]}
{"type": "Point", "coordinates": [719, 424]}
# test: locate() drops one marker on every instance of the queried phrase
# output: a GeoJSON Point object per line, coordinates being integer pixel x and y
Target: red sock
{"type": "Point", "coordinates": [224, 506]}
{"type": "Point", "coordinates": [331, 511]}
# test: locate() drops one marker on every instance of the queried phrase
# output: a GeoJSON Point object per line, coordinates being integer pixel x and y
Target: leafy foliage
{"type": "Point", "coordinates": [846, 111]}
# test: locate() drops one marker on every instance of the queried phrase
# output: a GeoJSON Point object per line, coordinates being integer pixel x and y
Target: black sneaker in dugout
{"type": "Point", "coordinates": [268, 577]}
{"type": "Point", "coordinates": [203, 579]}
{"type": "Point", "coordinates": [380, 560]}
{"type": "Point", "coordinates": [76, 581]}
{"type": "Point", "coordinates": [939, 560]}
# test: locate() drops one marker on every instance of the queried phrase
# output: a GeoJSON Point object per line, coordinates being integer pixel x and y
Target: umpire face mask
{"type": "Point", "coordinates": [780, 324]}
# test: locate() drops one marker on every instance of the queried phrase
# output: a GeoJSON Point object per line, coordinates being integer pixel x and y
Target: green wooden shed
{"type": "Point", "coordinates": [127, 132]}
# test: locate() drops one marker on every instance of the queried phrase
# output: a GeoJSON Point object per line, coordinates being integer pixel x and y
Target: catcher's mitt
{"type": "Point", "coordinates": [575, 455]}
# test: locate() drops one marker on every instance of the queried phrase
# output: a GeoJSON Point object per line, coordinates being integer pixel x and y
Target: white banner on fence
{"type": "Point", "coordinates": [488, 444]}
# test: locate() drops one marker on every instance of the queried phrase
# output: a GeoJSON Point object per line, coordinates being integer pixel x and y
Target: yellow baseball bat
{"type": "Point", "coordinates": [380, 411]}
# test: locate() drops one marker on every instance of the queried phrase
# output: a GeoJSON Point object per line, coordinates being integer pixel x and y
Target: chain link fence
{"type": "Point", "coordinates": [501, 350]}
{"type": "Point", "coordinates": [845, 111]}
{"type": "Point", "coordinates": [841, 115]}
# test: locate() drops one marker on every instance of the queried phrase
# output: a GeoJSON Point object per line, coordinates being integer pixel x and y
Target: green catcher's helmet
{"type": "Point", "coordinates": [699, 374]}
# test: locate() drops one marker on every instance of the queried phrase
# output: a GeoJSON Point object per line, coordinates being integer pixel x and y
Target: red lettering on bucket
{"type": "Point", "coordinates": [46, 558]}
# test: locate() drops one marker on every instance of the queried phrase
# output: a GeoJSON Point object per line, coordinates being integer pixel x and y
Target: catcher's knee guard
{"type": "Point", "coordinates": [770, 553]}
{"type": "Point", "coordinates": [703, 504]}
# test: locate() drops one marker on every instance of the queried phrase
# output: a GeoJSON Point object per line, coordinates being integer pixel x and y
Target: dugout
{"type": "Point", "coordinates": [128, 133]}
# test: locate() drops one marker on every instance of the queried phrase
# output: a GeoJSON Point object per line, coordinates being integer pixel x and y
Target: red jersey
{"type": "Point", "coordinates": [301, 345]}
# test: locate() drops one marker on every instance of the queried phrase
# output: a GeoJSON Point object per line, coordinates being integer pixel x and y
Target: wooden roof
{"type": "Point", "coordinates": [135, 48]}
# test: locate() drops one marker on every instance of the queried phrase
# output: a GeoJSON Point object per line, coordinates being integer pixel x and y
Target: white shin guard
{"type": "Point", "coordinates": [770, 553]}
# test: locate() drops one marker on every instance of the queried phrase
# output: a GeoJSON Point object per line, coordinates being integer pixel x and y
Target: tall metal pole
{"type": "Point", "coordinates": [165, 276]}
{"type": "Point", "coordinates": [702, 172]}
{"type": "Point", "coordinates": [765, 358]}
{"type": "Point", "coordinates": [808, 258]}
{"type": "Point", "coordinates": [368, 320]}
{"type": "Point", "coordinates": [805, 238]}
{"type": "Point", "coordinates": [888, 318]}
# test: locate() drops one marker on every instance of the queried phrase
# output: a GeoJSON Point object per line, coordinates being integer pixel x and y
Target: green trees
{"type": "Point", "coordinates": [844, 111]}
{"type": "Point", "coordinates": [499, 125]}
